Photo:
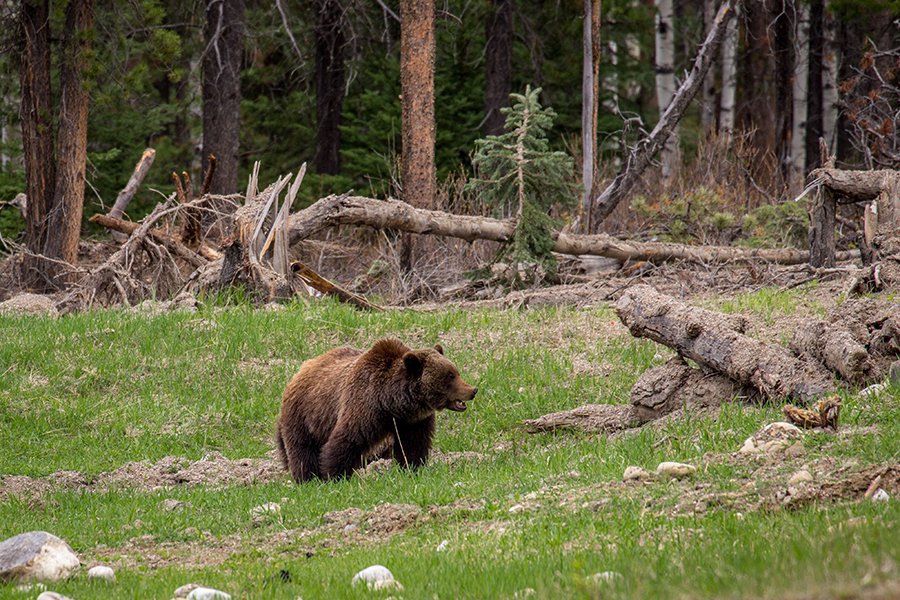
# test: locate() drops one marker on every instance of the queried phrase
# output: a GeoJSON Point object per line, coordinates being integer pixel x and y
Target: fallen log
{"type": "Point", "coordinates": [833, 345]}
{"type": "Point", "coordinates": [319, 283]}
{"type": "Point", "coordinates": [400, 216]}
{"type": "Point", "coordinates": [705, 337]}
{"type": "Point", "coordinates": [128, 227]}
{"type": "Point", "coordinates": [592, 418]}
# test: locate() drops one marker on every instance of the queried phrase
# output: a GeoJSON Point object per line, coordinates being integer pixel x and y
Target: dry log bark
{"type": "Point", "coordinates": [833, 345]}
{"type": "Point", "coordinates": [131, 188]}
{"type": "Point", "coordinates": [393, 214]}
{"type": "Point", "coordinates": [593, 418]}
{"type": "Point", "coordinates": [317, 282]}
{"type": "Point", "coordinates": [129, 227]}
{"type": "Point", "coordinates": [705, 337]}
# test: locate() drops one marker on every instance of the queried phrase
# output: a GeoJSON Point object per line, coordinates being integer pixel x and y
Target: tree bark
{"type": "Point", "coordinates": [418, 130]}
{"type": "Point", "coordinates": [224, 36]}
{"type": "Point", "coordinates": [708, 107]}
{"type": "Point", "coordinates": [665, 80]}
{"type": "Point", "coordinates": [639, 159]}
{"type": "Point", "coordinates": [134, 182]}
{"type": "Point", "coordinates": [329, 32]}
{"type": "Point", "coordinates": [36, 116]}
{"type": "Point", "coordinates": [589, 106]}
{"type": "Point", "coordinates": [830, 59]}
{"type": "Point", "coordinates": [758, 107]}
{"type": "Point", "coordinates": [498, 66]}
{"type": "Point", "coordinates": [68, 196]}
{"type": "Point", "coordinates": [822, 216]}
{"type": "Point", "coordinates": [814, 83]}
{"type": "Point", "coordinates": [705, 337]}
{"type": "Point", "coordinates": [400, 216]}
{"type": "Point", "coordinates": [784, 62]}
{"type": "Point", "coordinates": [800, 82]}
{"type": "Point", "coordinates": [834, 346]}
{"type": "Point", "coordinates": [729, 79]}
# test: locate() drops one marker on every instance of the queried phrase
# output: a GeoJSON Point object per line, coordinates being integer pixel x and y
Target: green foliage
{"type": "Point", "coordinates": [779, 225]}
{"type": "Point", "coordinates": [518, 175]}
{"type": "Point", "coordinates": [702, 215]}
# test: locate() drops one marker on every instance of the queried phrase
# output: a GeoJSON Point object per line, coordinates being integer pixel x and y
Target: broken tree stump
{"type": "Point", "coordinates": [705, 337]}
{"type": "Point", "coordinates": [833, 345]}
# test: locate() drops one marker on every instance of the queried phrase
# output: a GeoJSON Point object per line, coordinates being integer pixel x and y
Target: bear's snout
{"type": "Point", "coordinates": [474, 391]}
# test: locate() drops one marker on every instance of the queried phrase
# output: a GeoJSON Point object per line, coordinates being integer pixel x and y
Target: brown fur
{"type": "Point", "coordinates": [346, 403]}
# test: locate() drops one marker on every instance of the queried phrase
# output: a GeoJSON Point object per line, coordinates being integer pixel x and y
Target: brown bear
{"type": "Point", "coordinates": [346, 403]}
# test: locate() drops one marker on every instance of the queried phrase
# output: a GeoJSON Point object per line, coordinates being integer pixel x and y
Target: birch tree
{"type": "Point", "coordinates": [590, 107]}
{"type": "Point", "coordinates": [665, 79]}
{"type": "Point", "coordinates": [799, 89]}
{"type": "Point", "coordinates": [729, 79]}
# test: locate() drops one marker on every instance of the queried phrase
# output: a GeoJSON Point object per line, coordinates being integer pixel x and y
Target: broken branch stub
{"type": "Point", "coordinates": [706, 337]}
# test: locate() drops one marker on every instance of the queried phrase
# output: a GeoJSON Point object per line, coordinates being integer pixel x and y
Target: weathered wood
{"type": "Point", "coordinates": [705, 337]}
{"type": "Point", "coordinates": [821, 228]}
{"type": "Point", "coordinates": [128, 227]}
{"type": "Point", "coordinates": [856, 186]}
{"type": "Point", "coordinates": [605, 418]}
{"type": "Point", "coordinates": [317, 282]}
{"type": "Point", "coordinates": [393, 214]}
{"type": "Point", "coordinates": [825, 414]}
{"type": "Point", "coordinates": [833, 345]}
{"type": "Point", "coordinates": [642, 155]}
{"type": "Point", "coordinates": [134, 182]}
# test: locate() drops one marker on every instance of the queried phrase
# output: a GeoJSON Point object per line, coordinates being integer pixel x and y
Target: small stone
{"type": "Point", "coordinates": [269, 508]}
{"type": "Point", "coordinates": [801, 476]}
{"type": "Point", "coordinates": [171, 504]}
{"type": "Point", "coordinates": [606, 577]}
{"type": "Point", "coordinates": [36, 556]}
{"type": "Point", "coordinates": [442, 547]}
{"type": "Point", "coordinates": [880, 496]}
{"type": "Point", "coordinates": [102, 572]}
{"type": "Point", "coordinates": [675, 470]}
{"type": "Point", "coordinates": [894, 373]}
{"type": "Point", "coordinates": [795, 450]}
{"type": "Point", "coordinates": [376, 577]}
{"type": "Point", "coordinates": [29, 304]}
{"type": "Point", "coordinates": [184, 590]}
{"type": "Point", "coordinates": [636, 474]}
{"type": "Point", "coordinates": [348, 529]}
{"type": "Point", "coordinates": [205, 593]}
{"type": "Point", "coordinates": [773, 438]}
{"type": "Point", "coordinates": [52, 596]}
{"type": "Point", "coordinates": [873, 391]}
{"type": "Point", "coordinates": [525, 593]}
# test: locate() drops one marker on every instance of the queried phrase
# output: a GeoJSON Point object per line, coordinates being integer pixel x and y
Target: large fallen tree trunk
{"type": "Point", "coordinates": [705, 337]}
{"type": "Point", "coordinates": [393, 214]}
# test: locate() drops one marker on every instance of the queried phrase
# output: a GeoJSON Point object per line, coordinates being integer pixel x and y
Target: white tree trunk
{"type": "Point", "coordinates": [708, 109]}
{"type": "Point", "coordinates": [729, 78]}
{"type": "Point", "coordinates": [610, 104]}
{"type": "Point", "coordinates": [830, 60]}
{"type": "Point", "coordinates": [665, 78]}
{"type": "Point", "coordinates": [797, 175]}
{"type": "Point", "coordinates": [587, 117]}
{"type": "Point", "coordinates": [4, 140]}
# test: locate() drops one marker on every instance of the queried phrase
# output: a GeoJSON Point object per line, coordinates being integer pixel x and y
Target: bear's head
{"type": "Point", "coordinates": [438, 379]}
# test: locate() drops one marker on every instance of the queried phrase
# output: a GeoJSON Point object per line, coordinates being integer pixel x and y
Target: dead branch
{"type": "Point", "coordinates": [127, 227]}
{"type": "Point", "coordinates": [641, 156]}
{"type": "Point", "coordinates": [210, 171]}
{"type": "Point", "coordinates": [400, 216]}
{"type": "Point", "coordinates": [317, 282]}
{"type": "Point", "coordinates": [134, 182]}
{"type": "Point", "coordinates": [706, 338]}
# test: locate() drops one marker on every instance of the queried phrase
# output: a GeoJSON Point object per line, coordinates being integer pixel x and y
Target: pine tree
{"type": "Point", "coordinates": [519, 176]}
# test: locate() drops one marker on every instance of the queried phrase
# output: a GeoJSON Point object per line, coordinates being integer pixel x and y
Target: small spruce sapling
{"type": "Point", "coordinates": [520, 177]}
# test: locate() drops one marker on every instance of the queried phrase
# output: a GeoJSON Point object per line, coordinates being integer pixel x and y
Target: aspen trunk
{"type": "Point", "coordinates": [801, 76]}
{"type": "Point", "coordinates": [708, 108]}
{"type": "Point", "coordinates": [665, 79]}
{"type": "Point", "coordinates": [830, 62]}
{"type": "Point", "coordinates": [729, 79]}
{"type": "Point", "coordinates": [588, 113]}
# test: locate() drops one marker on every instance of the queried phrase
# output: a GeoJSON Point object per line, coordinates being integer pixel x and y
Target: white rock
{"type": "Point", "coordinates": [102, 572]}
{"type": "Point", "coordinates": [442, 547]}
{"type": "Point", "coordinates": [36, 556]}
{"type": "Point", "coordinates": [31, 587]}
{"type": "Point", "coordinates": [636, 474]}
{"type": "Point", "coordinates": [184, 590]}
{"type": "Point", "coordinates": [606, 577]}
{"type": "Point", "coordinates": [801, 476]}
{"type": "Point", "coordinates": [269, 508]}
{"type": "Point", "coordinates": [524, 593]}
{"type": "Point", "coordinates": [873, 391]}
{"type": "Point", "coordinates": [880, 496]}
{"type": "Point", "coordinates": [774, 437]}
{"type": "Point", "coordinates": [52, 596]}
{"type": "Point", "coordinates": [205, 593]}
{"type": "Point", "coordinates": [675, 470]}
{"type": "Point", "coordinates": [376, 577]}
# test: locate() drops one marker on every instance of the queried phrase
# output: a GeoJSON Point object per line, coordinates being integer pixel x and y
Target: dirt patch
{"type": "Point", "coordinates": [145, 551]}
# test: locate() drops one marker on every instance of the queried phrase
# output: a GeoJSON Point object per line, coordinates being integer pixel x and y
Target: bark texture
{"type": "Point", "coordinates": [814, 113]}
{"type": "Point", "coordinates": [329, 32]}
{"type": "Point", "coordinates": [757, 107]}
{"type": "Point", "coordinates": [134, 182]}
{"type": "Point", "coordinates": [705, 337]}
{"type": "Point", "coordinates": [400, 216]}
{"type": "Point", "coordinates": [37, 133]}
{"type": "Point", "coordinates": [665, 79]}
{"type": "Point", "coordinates": [729, 78]}
{"type": "Point", "coordinates": [799, 87]}
{"type": "Point", "coordinates": [833, 345]}
{"type": "Point", "coordinates": [224, 35]}
{"type": "Point", "coordinates": [498, 66]}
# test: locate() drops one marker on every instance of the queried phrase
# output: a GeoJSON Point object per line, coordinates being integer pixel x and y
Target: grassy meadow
{"type": "Point", "coordinates": [522, 515]}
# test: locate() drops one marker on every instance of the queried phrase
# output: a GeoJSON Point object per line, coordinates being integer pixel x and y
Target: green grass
{"type": "Point", "coordinates": [94, 391]}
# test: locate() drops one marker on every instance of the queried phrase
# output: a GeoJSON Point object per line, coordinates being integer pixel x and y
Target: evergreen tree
{"type": "Point", "coordinates": [518, 174]}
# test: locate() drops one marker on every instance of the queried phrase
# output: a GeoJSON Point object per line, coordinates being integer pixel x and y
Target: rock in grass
{"type": "Point", "coordinates": [442, 547]}
{"type": "Point", "coordinates": [376, 577]}
{"type": "Point", "coordinates": [880, 496]}
{"type": "Point", "coordinates": [675, 470]}
{"type": "Point", "coordinates": [102, 572]}
{"type": "Point", "coordinates": [636, 474]}
{"type": "Point", "coordinates": [36, 556]}
{"type": "Point", "coordinates": [873, 391]}
{"type": "Point", "coordinates": [52, 596]}
{"type": "Point", "coordinates": [606, 577]}
{"type": "Point", "coordinates": [171, 504]}
{"type": "Point", "coordinates": [801, 476]}
{"type": "Point", "coordinates": [205, 593]}
{"type": "Point", "coordinates": [182, 592]}
{"type": "Point", "coordinates": [771, 439]}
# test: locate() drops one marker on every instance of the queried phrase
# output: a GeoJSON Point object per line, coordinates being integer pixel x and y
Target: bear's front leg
{"type": "Point", "coordinates": [412, 442]}
{"type": "Point", "coordinates": [342, 453]}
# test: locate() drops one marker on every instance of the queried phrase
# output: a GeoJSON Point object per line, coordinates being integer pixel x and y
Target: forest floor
{"type": "Point", "coordinates": [144, 439]}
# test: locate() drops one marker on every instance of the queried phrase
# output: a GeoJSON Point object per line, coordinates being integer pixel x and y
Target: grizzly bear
{"type": "Point", "coordinates": [343, 405]}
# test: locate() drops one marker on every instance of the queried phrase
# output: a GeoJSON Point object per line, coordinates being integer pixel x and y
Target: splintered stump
{"type": "Point", "coordinates": [711, 340]}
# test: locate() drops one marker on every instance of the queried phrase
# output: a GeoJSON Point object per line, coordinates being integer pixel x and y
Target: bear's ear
{"type": "Point", "coordinates": [439, 348]}
{"type": "Point", "coordinates": [413, 364]}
